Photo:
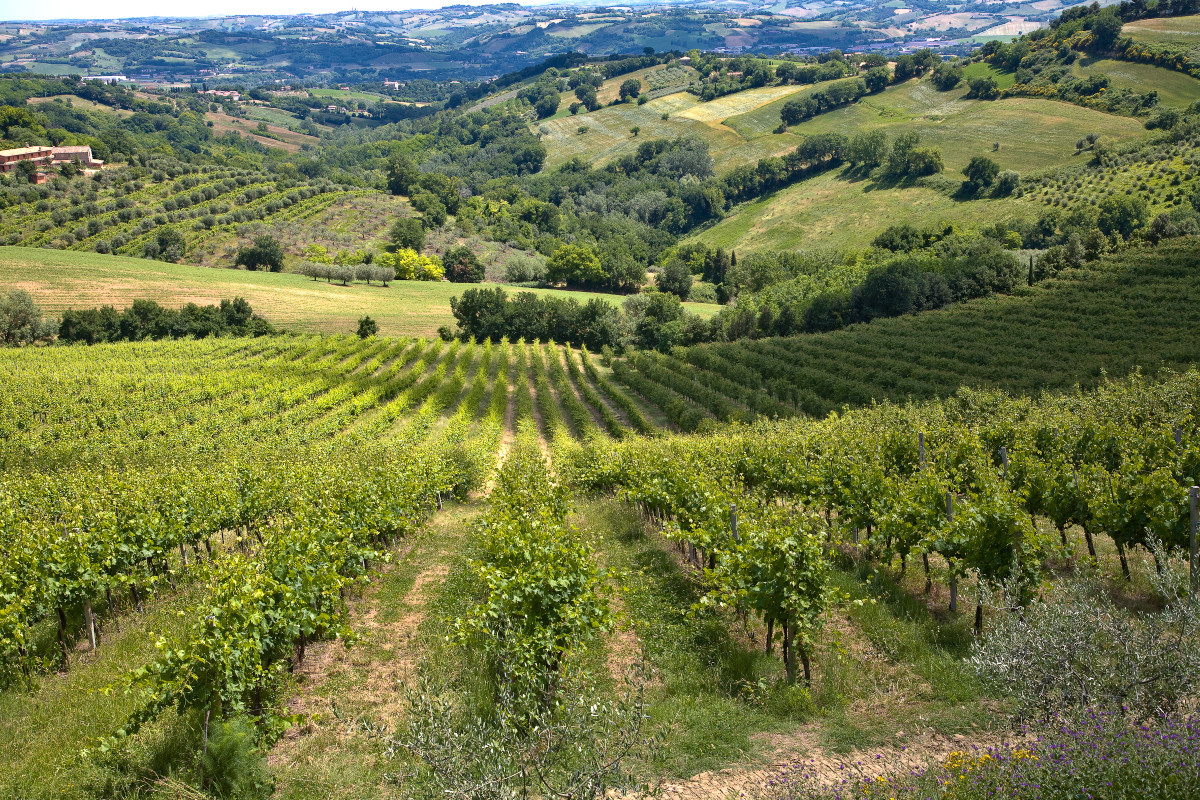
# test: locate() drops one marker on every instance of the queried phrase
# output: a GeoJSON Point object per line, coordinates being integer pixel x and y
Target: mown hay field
{"type": "Point", "coordinates": [64, 279]}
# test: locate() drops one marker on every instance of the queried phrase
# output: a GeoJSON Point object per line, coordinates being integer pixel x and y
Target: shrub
{"type": "Point", "coordinates": [524, 269]}
{"type": "Point", "coordinates": [462, 266]}
{"type": "Point", "coordinates": [265, 253]}
{"type": "Point", "coordinates": [1006, 183]}
{"type": "Point", "coordinates": [367, 327]}
{"type": "Point", "coordinates": [675, 278]}
{"type": "Point", "coordinates": [1100, 756]}
{"type": "Point", "coordinates": [702, 292]}
{"type": "Point", "coordinates": [167, 245]}
{"type": "Point", "coordinates": [1081, 651]}
{"type": "Point", "coordinates": [232, 765]}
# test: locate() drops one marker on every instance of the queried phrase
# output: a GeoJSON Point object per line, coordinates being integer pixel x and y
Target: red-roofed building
{"type": "Point", "coordinates": [37, 154]}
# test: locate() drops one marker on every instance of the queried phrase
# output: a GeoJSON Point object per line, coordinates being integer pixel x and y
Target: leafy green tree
{"type": "Point", "coordinates": [433, 211]}
{"type": "Point", "coordinates": [587, 96]}
{"type": "Point", "coordinates": [630, 89]}
{"type": "Point", "coordinates": [168, 244]}
{"type": "Point", "coordinates": [1007, 182]}
{"type": "Point", "coordinates": [1122, 214]}
{"type": "Point", "coordinates": [408, 232]}
{"type": "Point", "coordinates": [947, 75]}
{"type": "Point", "coordinates": [21, 320]}
{"type": "Point", "coordinates": [367, 327]}
{"type": "Point", "coordinates": [547, 105]}
{"type": "Point", "coordinates": [26, 171]}
{"type": "Point", "coordinates": [402, 174]}
{"type": "Point", "coordinates": [575, 264]}
{"type": "Point", "coordinates": [676, 278]}
{"type": "Point", "coordinates": [1106, 29]}
{"type": "Point", "coordinates": [983, 88]}
{"type": "Point", "coordinates": [462, 266]}
{"type": "Point", "coordinates": [900, 238]}
{"type": "Point", "coordinates": [265, 253]}
{"type": "Point", "coordinates": [981, 173]}
{"type": "Point", "coordinates": [869, 148]}
{"type": "Point", "coordinates": [656, 320]}
{"type": "Point", "coordinates": [907, 67]}
{"type": "Point", "coordinates": [877, 79]}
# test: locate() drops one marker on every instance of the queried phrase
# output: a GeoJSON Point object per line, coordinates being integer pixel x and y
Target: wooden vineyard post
{"type": "Point", "coordinates": [439, 501]}
{"type": "Point", "coordinates": [921, 447]}
{"type": "Point", "coordinates": [1194, 498]}
{"type": "Point", "coordinates": [953, 577]}
{"type": "Point", "coordinates": [90, 620]}
{"type": "Point", "coordinates": [62, 636]}
{"type": "Point", "coordinates": [1087, 535]}
{"type": "Point", "coordinates": [733, 521]}
{"type": "Point", "coordinates": [1004, 462]}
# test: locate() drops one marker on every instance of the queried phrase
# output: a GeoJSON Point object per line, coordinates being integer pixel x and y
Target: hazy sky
{"type": "Point", "coordinates": [110, 9]}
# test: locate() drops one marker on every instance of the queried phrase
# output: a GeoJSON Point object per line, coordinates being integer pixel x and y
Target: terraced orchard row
{"type": "Point", "coordinates": [1140, 309]}
{"type": "Point", "coordinates": [122, 211]}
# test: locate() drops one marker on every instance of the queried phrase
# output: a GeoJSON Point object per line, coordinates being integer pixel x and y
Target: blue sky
{"type": "Point", "coordinates": [110, 9]}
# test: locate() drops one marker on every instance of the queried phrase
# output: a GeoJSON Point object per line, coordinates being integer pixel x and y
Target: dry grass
{"type": "Point", "coordinates": [288, 140]}
{"type": "Point", "coordinates": [60, 279]}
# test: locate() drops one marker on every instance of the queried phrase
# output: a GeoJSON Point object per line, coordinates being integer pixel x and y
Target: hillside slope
{"type": "Point", "coordinates": [60, 279]}
{"type": "Point", "coordinates": [1139, 310]}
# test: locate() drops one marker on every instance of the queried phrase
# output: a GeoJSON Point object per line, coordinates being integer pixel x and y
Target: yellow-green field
{"type": "Point", "coordinates": [1033, 133]}
{"type": "Point", "coordinates": [1165, 30]}
{"type": "Point", "coordinates": [609, 136]}
{"type": "Point", "coordinates": [982, 68]}
{"type": "Point", "coordinates": [81, 103]}
{"type": "Point", "coordinates": [344, 95]}
{"type": "Point", "coordinates": [831, 212]}
{"type": "Point", "coordinates": [60, 279]}
{"type": "Point", "coordinates": [1174, 88]}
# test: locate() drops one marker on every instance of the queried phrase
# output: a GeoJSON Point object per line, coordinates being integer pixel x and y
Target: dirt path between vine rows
{"type": "Point", "coordinates": [797, 756]}
{"type": "Point", "coordinates": [366, 678]}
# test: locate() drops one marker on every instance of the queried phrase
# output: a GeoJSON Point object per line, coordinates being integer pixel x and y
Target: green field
{"type": "Point", "coordinates": [345, 94]}
{"type": "Point", "coordinates": [981, 68]}
{"type": "Point", "coordinates": [831, 212]}
{"type": "Point", "coordinates": [1165, 30]}
{"type": "Point", "coordinates": [65, 279]}
{"type": "Point", "coordinates": [739, 128]}
{"type": "Point", "coordinates": [275, 116]}
{"type": "Point", "coordinates": [1033, 134]}
{"type": "Point", "coordinates": [608, 133]}
{"type": "Point", "coordinates": [1174, 88]}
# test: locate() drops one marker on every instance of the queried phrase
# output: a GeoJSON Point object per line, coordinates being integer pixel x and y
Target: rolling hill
{"type": "Point", "coordinates": [64, 279]}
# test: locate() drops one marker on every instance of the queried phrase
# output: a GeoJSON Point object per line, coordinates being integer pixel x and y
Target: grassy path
{"type": "Point", "coordinates": [888, 674]}
{"type": "Point", "coordinates": [337, 684]}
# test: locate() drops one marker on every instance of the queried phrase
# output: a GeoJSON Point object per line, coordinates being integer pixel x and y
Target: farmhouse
{"type": "Point", "coordinates": [37, 154]}
{"type": "Point", "coordinates": [232, 95]}
{"type": "Point", "coordinates": [81, 153]}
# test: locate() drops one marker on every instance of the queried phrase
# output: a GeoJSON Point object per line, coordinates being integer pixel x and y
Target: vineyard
{"type": "Point", "coordinates": [256, 487]}
{"type": "Point", "coordinates": [135, 470]}
{"type": "Point", "coordinates": [1138, 309]}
